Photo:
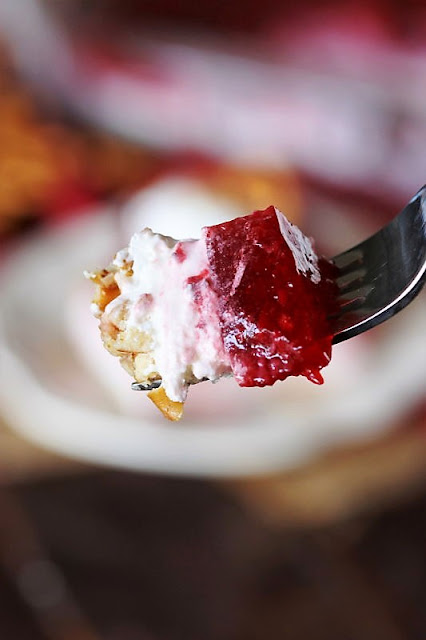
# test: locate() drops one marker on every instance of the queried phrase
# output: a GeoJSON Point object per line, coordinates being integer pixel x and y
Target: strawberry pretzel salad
{"type": "Point", "coordinates": [249, 299]}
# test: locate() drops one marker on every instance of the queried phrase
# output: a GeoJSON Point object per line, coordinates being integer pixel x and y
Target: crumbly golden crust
{"type": "Point", "coordinates": [132, 346]}
{"type": "Point", "coordinates": [171, 410]}
{"type": "Point", "coordinates": [106, 288]}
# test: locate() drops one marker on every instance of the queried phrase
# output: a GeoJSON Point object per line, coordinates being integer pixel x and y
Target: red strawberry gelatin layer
{"type": "Point", "coordinates": [274, 297]}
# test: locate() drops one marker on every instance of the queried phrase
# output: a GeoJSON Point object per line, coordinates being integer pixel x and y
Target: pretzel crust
{"type": "Point", "coordinates": [171, 410]}
{"type": "Point", "coordinates": [131, 346]}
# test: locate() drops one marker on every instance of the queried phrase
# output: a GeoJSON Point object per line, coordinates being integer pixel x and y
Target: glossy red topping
{"type": "Point", "coordinates": [273, 319]}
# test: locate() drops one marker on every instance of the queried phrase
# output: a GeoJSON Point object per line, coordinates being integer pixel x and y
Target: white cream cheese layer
{"type": "Point", "coordinates": [169, 299]}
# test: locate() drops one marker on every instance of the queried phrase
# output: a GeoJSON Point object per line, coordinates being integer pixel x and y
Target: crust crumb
{"type": "Point", "coordinates": [171, 410]}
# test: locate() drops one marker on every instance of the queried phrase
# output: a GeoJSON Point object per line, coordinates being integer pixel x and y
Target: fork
{"type": "Point", "coordinates": [378, 277]}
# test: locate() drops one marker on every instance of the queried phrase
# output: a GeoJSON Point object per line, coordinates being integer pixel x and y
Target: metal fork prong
{"type": "Point", "coordinates": [140, 386]}
{"type": "Point", "coordinates": [349, 260]}
{"type": "Point", "coordinates": [349, 279]}
{"type": "Point", "coordinates": [360, 294]}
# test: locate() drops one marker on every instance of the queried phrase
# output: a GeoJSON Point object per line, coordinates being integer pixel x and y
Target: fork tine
{"type": "Point", "coordinates": [140, 386]}
{"type": "Point", "coordinates": [346, 261]}
{"type": "Point", "coordinates": [350, 278]}
{"type": "Point", "coordinates": [381, 275]}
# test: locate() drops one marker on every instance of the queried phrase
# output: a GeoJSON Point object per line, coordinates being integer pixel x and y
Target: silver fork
{"type": "Point", "coordinates": [378, 277]}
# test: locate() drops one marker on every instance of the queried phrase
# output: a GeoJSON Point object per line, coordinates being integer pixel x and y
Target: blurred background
{"type": "Point", "coordinates": [295, 512]}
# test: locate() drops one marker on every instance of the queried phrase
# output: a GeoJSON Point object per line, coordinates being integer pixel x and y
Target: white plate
{"type": "Point", "coordinates": [50, 394]}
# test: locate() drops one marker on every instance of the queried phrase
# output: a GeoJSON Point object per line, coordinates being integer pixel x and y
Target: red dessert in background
{"type": "Point", "coordinates": [274, 296]}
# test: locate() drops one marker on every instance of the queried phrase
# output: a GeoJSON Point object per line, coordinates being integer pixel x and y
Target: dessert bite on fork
{"type": "Point", "coordinates": [250, 299]}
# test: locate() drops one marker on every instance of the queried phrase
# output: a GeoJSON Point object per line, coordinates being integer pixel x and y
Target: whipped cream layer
{"type": "Point", "coordinates": [168, 296]}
